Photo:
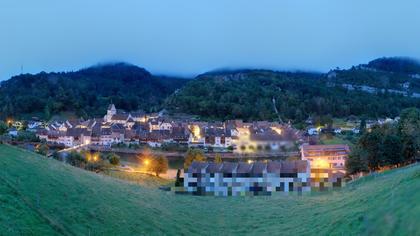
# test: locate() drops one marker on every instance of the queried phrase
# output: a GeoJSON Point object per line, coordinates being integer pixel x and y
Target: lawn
{"type": "Point", "coordinates": [336, 139]}
{"type": "Point", "coordinates": [143, 179]}
{"type": "Point", "coordinates": [40, 196]}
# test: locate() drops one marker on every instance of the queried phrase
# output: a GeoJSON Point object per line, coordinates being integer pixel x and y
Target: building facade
{"type": "Point", "coordinates": [326, 156]}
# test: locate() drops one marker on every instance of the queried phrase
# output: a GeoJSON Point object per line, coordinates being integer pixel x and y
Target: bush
{"type": "Point", "coordinates": [134, 146]}
{"type": "Point", "coordinates": [25, 136]}
{"type": "Point", "coordinates": [76, 159]}
{"type": "Point", "coordinates": [42, 149]}
{"type": "Point", "coordinates": [56, 156]}
{"type": "Point", "coordinates": [113, 159]}
{"type": "Point", "coordinates": [97, 166]}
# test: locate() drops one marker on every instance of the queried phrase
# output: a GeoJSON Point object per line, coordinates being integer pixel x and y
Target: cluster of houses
{"type": "Point", "coordinates": [351, 125]}
{"type": "Point", "coordinates": [157, 129]}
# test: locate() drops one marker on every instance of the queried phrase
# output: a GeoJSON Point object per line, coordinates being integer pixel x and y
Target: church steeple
{"type": "Point", "coordinates": [110, 112]}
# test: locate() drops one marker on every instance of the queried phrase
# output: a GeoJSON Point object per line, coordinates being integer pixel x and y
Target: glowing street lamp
{"type": "Point", "coordinates": [95, 157]}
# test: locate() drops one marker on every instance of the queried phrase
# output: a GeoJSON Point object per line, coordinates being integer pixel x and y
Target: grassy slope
{"type": "Point", "coordinates": [78, 202]}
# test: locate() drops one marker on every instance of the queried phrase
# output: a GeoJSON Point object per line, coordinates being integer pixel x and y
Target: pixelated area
{"type": "Point", "coordinates": [326, 179]}
{"type": "Point", "coordinates": [257, 179]}
{"type": "Point", "coordinates": [243, 179]}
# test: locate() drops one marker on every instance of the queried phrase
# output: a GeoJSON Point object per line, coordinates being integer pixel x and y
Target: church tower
{"type": "Point", "coordinates": [110, 113]}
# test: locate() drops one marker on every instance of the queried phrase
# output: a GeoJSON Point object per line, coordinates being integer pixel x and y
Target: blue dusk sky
{"type": "Point", "coordinates": [189, 37]}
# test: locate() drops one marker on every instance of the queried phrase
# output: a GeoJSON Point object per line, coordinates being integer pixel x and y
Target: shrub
{"type": "Point", "coordinates": [113, 159]}
{"type": "Point", "coordinates": [42, 149]}
{"type": "Point", "coordinates": [76, 159]}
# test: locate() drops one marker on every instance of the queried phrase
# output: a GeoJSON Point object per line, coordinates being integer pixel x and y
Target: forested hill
{"type": "Point", "coordinates": [386, 73]}
{"type": "Point", "coordinates": [396, 64]}
{"type": "Point", "coordinates": [257, 94]}
{"type": "Point", "coordinates": [86, 92]}
{"type": "Point", "coordinates": [380, 88]}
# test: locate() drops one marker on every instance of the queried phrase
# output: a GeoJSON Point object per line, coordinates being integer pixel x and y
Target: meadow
{"type": "Point", "coordinates": [41, 196]}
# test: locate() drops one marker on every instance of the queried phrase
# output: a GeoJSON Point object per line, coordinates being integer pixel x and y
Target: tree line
{"type": "Point", "coordinates": [389, 145]}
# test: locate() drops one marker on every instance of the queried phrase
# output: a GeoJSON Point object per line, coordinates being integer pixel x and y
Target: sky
{"type": "Point", "coordinates": [189, 37]}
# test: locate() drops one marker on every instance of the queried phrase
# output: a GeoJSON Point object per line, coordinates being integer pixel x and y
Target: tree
{"type": "Point", "coordinates": [178, 178]}
{"type": "Point", "coordinates": [47, 111]}
{"type": "Point", "coordinates": [357, 161]}
{"type": "Point", "coordinates": [392, 150]}
{"type": "Point", "coordinates": [409, 131]}
{"type": "Point", "coordinates": [372, 144]}
{"type": "Point", "coordinates": [362, 127]}
{"type": "Point", "coordinates": [218, 158]}
{"type": "Point", "coordinates": [193, 155]}
{"type": "Point", "coordinates": [389, 144]}
{"type": "Point", "coordinates": [3, 127]}
{"type": "Point", "coordinates": [113, 159]}
{"type": "Point", "coordinates": [158, 165]}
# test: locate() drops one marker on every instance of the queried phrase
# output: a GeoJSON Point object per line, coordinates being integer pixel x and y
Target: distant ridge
{"type": "Point", "coordinates": [298, 94]}
{"type": "Point", "coordinates": [396, 64]}
{"type": "Point", "coordinates": [86, 92]}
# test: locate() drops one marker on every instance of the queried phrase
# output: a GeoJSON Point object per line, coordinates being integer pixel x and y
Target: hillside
{"type": "Point", "coordinates": [42, 196]}
{"type": "Point", "coordinates": [374, 89]}
{"type": "Point", "coordinates": [249, 95]}
{"type": "Point", "coordinates": [86, 92]}
{"type": "Point", "coordinates": [401, 65]}
{"type": "Point", "coordinates": [386, 73]}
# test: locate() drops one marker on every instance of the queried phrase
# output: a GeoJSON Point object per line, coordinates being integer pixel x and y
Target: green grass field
{"type": "Point", "coordinates": [337, 139]}
{"type": "Point", "coordinates": [40, 196]}
{"type": "Point", "coordinates": [143, 179]}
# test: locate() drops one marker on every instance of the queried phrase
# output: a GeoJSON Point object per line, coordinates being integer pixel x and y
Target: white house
{"type": "Point", "coordinates": [312, 131]}
{"type": "Point", "coordinates": [326, 156]}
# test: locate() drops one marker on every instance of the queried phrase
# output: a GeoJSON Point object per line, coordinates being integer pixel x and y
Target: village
{"type": "Point", "coordinates": [158, 129]}
{"type": "Point", "coordinates": [290, 159]}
